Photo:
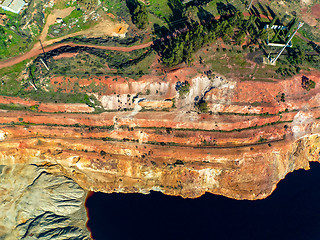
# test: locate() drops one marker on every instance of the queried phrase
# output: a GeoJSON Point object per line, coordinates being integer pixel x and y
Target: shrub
{"type": "Point", "coordinates": [202, 106]}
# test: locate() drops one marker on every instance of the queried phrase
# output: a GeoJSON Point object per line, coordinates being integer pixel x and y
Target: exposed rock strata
{"type": "Point", "coordinates": [255, 135]}
{"type": "Point", "coordinates": [250, 172]}
{"type": "Point", "coordinates": [37, 204]}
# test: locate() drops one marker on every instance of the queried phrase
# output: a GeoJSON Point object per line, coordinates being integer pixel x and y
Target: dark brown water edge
{"type": "Point", "coordinates": [291, 212]}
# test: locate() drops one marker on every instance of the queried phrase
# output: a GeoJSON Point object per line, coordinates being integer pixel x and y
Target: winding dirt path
{"type": "Point", "coordinates": [105, 27]}
{"type": "Point", "coordinates": [36, 50]}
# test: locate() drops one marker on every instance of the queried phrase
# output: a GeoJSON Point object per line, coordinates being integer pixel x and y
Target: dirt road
{"type": "Point", "coordinates": [37, 50]}
{"type": "Point", "coordinates": [51, 19]}
{"type": "Point", "coordinates": [105, 28]}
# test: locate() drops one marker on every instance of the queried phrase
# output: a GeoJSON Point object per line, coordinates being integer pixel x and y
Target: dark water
{"type": "Point", "coordinates": [291, 212]}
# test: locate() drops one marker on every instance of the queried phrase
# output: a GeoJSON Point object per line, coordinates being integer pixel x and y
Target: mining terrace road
{"type": "Point", "coordinates": [36, 50]}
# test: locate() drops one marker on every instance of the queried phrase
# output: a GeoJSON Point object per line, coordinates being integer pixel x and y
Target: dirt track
{"type": "Point", "coordinates": [37, 50]}
{"type": "Point", "coordinates": [104, 28]}
{"type": "Point", "coordinates": [62, 13]}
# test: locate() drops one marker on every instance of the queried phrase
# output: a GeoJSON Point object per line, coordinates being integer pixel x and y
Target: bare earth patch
{"type": "Point", "coordinates": [65, 55]}
{"type": "Point", "coordinates": [51, 19]}
{"type": "Point", "coordinates": [310, 20]}
{"type": "Point", "coordinates": [315, 10]}
{"type": "Point", "coordinates": [305, 2]}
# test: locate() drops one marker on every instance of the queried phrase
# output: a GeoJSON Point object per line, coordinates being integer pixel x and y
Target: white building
{"type": "Point", "coordinates": [14, 6]}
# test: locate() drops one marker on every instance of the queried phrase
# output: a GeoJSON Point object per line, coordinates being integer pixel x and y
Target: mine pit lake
{"type": "Point", "coordinates": [291, 212]}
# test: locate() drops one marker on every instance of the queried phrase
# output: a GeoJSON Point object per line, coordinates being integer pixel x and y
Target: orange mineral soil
{"type": "Point", "coordinates": [253, 134]}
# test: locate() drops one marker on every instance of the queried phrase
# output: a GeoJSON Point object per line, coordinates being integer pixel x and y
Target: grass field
{"type": "Point", "coordinates": [160, 8]}
{"type": "Point", "coordinates": [232, 62]}
{"type": "Point", "coordinates": [19, 32]}
{"type": "Point", "coordinates": [9, 83]}
{"type": "Point", "coordinates": [12, 41]}
{"type": "Point", "coordinates": [100, 62]}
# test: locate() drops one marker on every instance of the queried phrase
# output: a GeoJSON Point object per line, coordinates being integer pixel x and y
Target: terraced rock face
{"type": "Point", "coordinates": [36, 204]}
{"type": "Point", "coordinates": [254, 134]}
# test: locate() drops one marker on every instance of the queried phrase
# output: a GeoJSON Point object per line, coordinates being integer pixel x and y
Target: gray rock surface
{"type": "Point", "coordinates": [36, 204]}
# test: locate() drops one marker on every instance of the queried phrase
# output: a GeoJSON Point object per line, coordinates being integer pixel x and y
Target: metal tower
{"type": "Point", "coordinates": [250, 5]}
{"type": "Point", "coordinates": [273, 60]}
{"type": "Point", "coordinates": [44, 53]}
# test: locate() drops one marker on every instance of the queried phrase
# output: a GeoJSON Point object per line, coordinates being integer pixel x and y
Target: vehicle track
{"type": "Point", "coordinates": [37, 49]}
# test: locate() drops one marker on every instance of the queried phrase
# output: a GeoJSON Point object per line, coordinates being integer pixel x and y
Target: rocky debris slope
{"type": "Point", "coordinates": [36, 204]}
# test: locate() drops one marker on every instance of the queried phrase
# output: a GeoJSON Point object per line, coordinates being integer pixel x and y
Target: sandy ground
{"type": "Point", "coordinates": [104, 28]}
{"type": "Point", "coordinates": [305, 2]}
{"type": "Point", "coordinates": [51, 19]}
{"type": "Point", "coordinates": [311, 17]}
{"type": "Point", "coordinates": [65, 55]}
{"type": "Point", "coordinates": [315, 10]}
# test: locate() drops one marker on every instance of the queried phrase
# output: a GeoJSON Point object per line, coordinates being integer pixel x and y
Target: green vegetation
{"type": "Point", "coordinates": [19, 31]}
{"type": "Point", "coordinates": [191, 36]}
{"type": "Point", "coordinates": [102, 62]}
{"type": "Point", "coordinates": [11, 85]}
{"type": "Point", "coordinates": [190, 28]}
{"type": "Point", "coordinates": [184, 89]}
{"type": "Point", "coordinates": [73, 15]}
{"type": "Point", "coordinates": [61, 4]}
{"type": "Point", "coordinates": [9, 82]}
{"type": "Point", "coordinates": [159, 8]}
{"type": "Point", "coordinates": [56, 97]}
{"type": "Point", "coordinates": [202, 106]}
{"type": "Point", "coordinates": [12, 41]}
{"type": "Point", "coordinates": [16, 107]}
{"type": "Point", "coordinates": [139, 13]}
{"type": "Point", "coordinates": [311, 85]}
{"type": "Point", "coordinates": [90, 128]}
{"type": "Point", "coordinates": [307, 83]}
{"type": "Point", "coordinates": [295, 12]}
{"type": "Point", "coordinates": [262, 140]}
{"type": "Point", "coordinates": [88, 5]}
{"type": "Point", "coordinates": [140, 16]}
{"type": "Point", "coordinates": [214, 130]}
{"type": "Point", "coordinates": [75, 22]}
{"type": "Point", "coordinates": [188, 36]}
{"type": "Point", "coordinates": [297, 59]}
{"type": "Point", "coordinates": [117, 8]}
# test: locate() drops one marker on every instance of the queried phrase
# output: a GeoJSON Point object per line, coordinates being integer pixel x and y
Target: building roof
{"type": "Point", "coordinates": [12, 5]}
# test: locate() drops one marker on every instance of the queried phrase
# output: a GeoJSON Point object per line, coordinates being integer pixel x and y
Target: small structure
{"type": "Point", "coordinates": [59, 20]}
{"type": "Point", "coordinates": [14, 6]}
{"type": "Point", "coordinates": [273, 60]}
{"type": "Point", "coordinates": [276, 27]}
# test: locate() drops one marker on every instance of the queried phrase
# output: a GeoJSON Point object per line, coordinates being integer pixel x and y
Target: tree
{"type": "Point", "coordinates": [226, 31]}
{"type": "Point", "coordinates": [192, 14]}
{"type": "Point", "coordinates": [202, 106]}
{"type": "Point", "coordinates": [140, 16]}
{"type": "Point", "coordinates": [240, 37]}
{"type": "Point", "coordinates": [273, 21]}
